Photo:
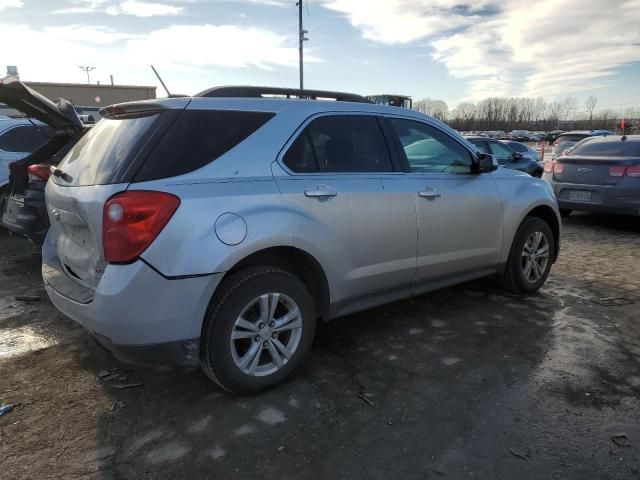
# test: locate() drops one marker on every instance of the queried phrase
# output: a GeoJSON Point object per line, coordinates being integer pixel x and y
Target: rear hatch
{"type": "Point", "coordinates": [590, 170]}
{"type": "Point", "coordinates": [100, 165]}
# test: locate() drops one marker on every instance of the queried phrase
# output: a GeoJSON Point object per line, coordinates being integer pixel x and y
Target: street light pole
{"type": "Point", "coordinates": [301, 40]}
{"type": "Point", "coordinates": [87, 70]}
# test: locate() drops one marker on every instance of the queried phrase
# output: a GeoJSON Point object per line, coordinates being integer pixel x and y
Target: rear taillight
{"type": "Point", "coordinates": [132, 220]}
{"type": "Point", "coordinates": [39, 172]}
{"type": "Point", "coordinates": [633, 171]}
{"type": "Point", "coordinates": [617, 171]}
{"type": "Point", "coordinates": [548, 167]}
{"type": "Point", "coordinates": [558, 168]}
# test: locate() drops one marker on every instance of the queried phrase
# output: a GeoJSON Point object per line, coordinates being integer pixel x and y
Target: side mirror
{"type": "Point", "coordinates": [486, 163]}
{"type": "Point", "coordinates": [517, 156]}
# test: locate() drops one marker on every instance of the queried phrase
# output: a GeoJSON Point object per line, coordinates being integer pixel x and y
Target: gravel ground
{"type": "Point", "coordinates": [467, 382]}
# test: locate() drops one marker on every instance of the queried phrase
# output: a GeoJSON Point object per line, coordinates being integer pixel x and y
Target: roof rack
{"type": "Point", "coordinates": [261, 92]}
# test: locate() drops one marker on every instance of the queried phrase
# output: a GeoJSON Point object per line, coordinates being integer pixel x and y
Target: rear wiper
{"type": "Point", "coordinates": [56, 172]}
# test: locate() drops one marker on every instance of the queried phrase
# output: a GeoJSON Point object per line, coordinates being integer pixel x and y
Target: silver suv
{"type": "Point", "coordinates": [217, 229]}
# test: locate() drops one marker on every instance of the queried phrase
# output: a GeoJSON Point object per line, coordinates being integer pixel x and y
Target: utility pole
{"type": "Point", "coordinates": [87, 70]}
{"type": "Point", "coordinates": [301, 40]}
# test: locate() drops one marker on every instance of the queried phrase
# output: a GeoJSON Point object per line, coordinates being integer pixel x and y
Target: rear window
{"type": "Point", "coordinates": [194, 138]}
{"type": "Point", "coordinates": [198, 137]}
{"type": "Point", "coordinates": [608, 149]}
{"type": "Point", "coordinates": [574, 137]}
{"type": "Point", "coordinates": [103, 150]}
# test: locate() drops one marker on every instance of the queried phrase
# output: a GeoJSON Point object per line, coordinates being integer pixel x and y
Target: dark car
{"type": "Point", "coordinates": [24, 211]}
{"type": "Point", "coordinates": [601, 174]}
{"type": "Point", "coordinates": [506, 156]}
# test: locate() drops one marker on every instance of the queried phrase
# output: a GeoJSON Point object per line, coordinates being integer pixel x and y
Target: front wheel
{"type": "Point", "coordinates": [530, 257]}
{"type": "Point", "coordinates": [258, 330]}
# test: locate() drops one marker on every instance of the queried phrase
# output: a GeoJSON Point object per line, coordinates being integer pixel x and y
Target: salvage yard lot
{"type": "Point", "coordinates": [467, 382]}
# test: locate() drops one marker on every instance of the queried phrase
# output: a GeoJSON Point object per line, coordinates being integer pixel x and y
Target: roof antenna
{"type": "Point", "coordinates": [159, 78]}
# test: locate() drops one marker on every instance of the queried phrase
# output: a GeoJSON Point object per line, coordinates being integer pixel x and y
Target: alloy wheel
{"type": "Point", "coordinates": [535, 257]}
{"type": "Point", "coordinates": [266, 334]}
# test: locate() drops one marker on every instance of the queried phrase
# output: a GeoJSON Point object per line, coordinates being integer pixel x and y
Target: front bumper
{"type": "Point", "coordinates": [135, 312]}
{"type": "Point", "coordinates": [614, 199]}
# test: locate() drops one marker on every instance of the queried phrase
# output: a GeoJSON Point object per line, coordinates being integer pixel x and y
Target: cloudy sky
{"type": "Point", "coordinates": [444, 49]}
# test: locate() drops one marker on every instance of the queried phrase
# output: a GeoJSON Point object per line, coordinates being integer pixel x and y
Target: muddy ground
{"type": "Point", "coordinates": [468, 382]}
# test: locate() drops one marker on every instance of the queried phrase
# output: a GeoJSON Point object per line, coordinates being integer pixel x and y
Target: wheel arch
{"type": "Point", "coordinates": [549, 215]}
{"type": "Point", "coordinates": [296, 261]}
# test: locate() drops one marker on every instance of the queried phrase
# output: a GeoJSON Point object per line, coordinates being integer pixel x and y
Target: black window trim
{"type": "Point", "coordinates": [395, 162]}
{"type": "Point", "coordinates": [403, 157]}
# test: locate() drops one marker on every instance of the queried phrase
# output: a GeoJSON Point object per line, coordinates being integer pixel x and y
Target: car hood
{"type": "Point", "coordinates": [58, 114]}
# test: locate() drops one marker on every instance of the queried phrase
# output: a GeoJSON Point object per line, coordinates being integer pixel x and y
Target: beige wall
{"type": "Point", "coordinates": [85, 94]}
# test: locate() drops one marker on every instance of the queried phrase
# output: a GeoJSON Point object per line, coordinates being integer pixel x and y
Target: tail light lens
{"type": "Point", "coordinates": [617, 171]}
{"type": "Point", "coordinates": [633, 171]}
{"type": "Point", "coordinates": [39, 172]}
{"type": "Point", "coordinates": [558, 168]}
{"type": "Point", "coordinates": [548, 167]}
{"type": "Point", "coordinates": [132, 220]}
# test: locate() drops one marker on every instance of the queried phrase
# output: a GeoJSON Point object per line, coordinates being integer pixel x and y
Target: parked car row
{"type": "Point", "coordinates": [217, 229]}
{"type": "Point", "coordinates": [566, 140]}
{"type": "Point", "coordinates": [509, 154]}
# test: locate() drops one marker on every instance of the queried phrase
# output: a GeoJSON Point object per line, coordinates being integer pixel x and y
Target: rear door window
{"type": "Point", "coordinates": [24, 138]}
{"type": "Point", "coordinates": [340, 143]}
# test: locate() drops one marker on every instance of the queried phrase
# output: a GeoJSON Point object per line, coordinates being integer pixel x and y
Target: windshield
{"type": "Point", "coordinates": [104, 150]}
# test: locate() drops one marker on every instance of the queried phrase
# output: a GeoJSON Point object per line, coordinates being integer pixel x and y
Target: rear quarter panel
{"type": "Point", "coordinates": [190, 245]}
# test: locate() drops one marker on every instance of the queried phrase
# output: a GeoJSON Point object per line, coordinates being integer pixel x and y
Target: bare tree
{"type": "Point", "coordinates": [590, 105]}
{"type": "Point", "coordinates": [436, 108]}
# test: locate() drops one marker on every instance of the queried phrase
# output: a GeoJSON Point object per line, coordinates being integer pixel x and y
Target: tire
{"type": "Point", "coordinates": [565, 212]}
{"type": "Point", "coordinates": [513, 277]}
{"type": "Point", "coordinates": [222, 358]}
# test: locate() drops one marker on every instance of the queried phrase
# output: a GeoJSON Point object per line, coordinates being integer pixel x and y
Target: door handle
{"type": "Point", "coordinates": [320, 191]}
{"type": "Point", "coordinates": [430, 193]}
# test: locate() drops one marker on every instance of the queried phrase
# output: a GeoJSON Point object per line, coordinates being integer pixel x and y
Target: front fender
{"type": "Point", "coordinates": [520, 196]}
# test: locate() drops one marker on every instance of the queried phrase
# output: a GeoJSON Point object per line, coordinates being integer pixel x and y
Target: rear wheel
{"type": "Point", "coordinates": [530, 258]}
{"type": "Point", "coordinates": [258, 330]}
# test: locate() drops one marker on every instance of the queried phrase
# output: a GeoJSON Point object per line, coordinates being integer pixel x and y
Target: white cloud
{"type": "Point", "coordinates": [547, 47]}
{"type": "Point", "coordinates": [148, 9]}
{"type": "Point", "coordinates": [138, 8]}
{"type": "Point", "coordinates": [402, 21]}
{"type": "Point", "coordinates": [220, 45]}
{"type": "Point", "coordinates": [4, 4]}
{"type": "Point", "coordinates": [54, 53]}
